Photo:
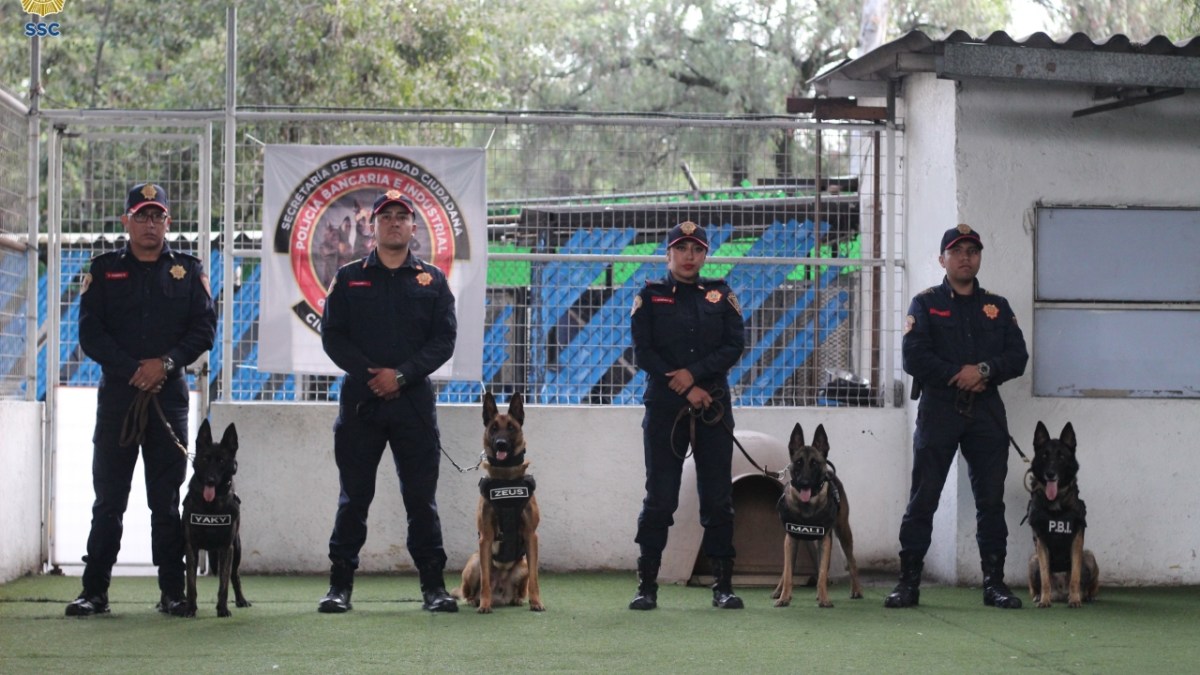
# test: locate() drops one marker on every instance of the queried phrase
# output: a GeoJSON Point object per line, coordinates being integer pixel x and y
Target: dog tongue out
{"type": "Point", "coordinates": [1051, 489]}
{"type": "Point", "coordinates": [501, 455]}
{"type": "Point", "coordinates": [210, 493]}
{"type": "Point", "coordinates": [806, 495]}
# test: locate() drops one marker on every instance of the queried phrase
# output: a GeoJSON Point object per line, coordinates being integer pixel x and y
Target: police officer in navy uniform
{"type": "Point", "coordinates": [960, 344]}
{"type": "Point", "coordinates": [144, 314]}
{"type": "Point", "coordinates": [388, 323]}
{"type": "Point", "coordinates": [687, 334]}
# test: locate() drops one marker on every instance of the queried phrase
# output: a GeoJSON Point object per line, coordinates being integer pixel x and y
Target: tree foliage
{"type": "Point", "coordinates": [1138, 20]}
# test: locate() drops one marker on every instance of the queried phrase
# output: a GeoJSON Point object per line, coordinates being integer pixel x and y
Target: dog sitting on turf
{"type": "Point", "coordinates": [813, 506]}
{"type": "Point", "coordinates": [505, 570]}
{"type": "Point", "coordinates": [212, 517]}
{"type": "Point", "coordinates": [1058, 518]}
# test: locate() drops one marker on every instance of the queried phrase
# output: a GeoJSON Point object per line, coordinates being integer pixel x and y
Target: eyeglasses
{"type": "Point", "coordinates": [141, 218]}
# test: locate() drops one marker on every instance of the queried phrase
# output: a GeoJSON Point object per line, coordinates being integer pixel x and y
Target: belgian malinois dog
{"type": "Point", "coordinates": [212, 517]}
{"type": "Point", "coordinates": [813, 506]}
{"type": "Point", "coordinates": [1058, 518]}
{"type": "Point", "coordinates": [505, 570]}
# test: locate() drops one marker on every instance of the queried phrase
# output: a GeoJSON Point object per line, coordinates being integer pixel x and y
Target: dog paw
{"type": "Point", "coordinates": [536, 607]}
{"type": "Point", "coordinates": [825, 605]}
{"type": "Point", "coordinates": [243, 603]}
{"type": "Point", "coordinates": [856, 595]}
{"type": "Point", "coordinates": [484, 609]}
{"type": "Point", "coordinates": [1074, 603]}
{"type": "Point", "coordinates": [783, 602]}
{"type": "Point", "coordinates": [1043, 605]}
{"type": "Point", "coordinates": [223, 612]}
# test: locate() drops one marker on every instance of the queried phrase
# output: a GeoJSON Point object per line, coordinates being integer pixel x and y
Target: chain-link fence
{"type": "Point", "coordinates": [17, 266]}
{"type": "Point", "coordinates": [577, 212]}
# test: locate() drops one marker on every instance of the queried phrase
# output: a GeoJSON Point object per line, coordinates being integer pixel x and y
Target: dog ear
{"type": "Point", "coordinates": [797, 439]}
{"type": "Point", "coordinates": [1068, 436]}
{"type": "Point", "coordinates": [229, 441]}
{"type": "Point", "coordinates": [489, 408]}
{"type": "Point", "coordinates": [204, 436]}
{"type": "Point", "coordinates": [821, 441]}
{"type": "Point", "coordinates": [516, 408]}
{"type": "Point", "coordinates": [1040, 435]}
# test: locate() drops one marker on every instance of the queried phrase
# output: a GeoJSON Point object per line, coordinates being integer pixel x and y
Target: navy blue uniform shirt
{"type": "Point", "coordinates": [946, 331]}
{"type": "Point", "coordinates": [694, 326]}
{"type": "Point", "coordinates": [379, 318]}
{"type": "Point", "coordinates": [132, 310]}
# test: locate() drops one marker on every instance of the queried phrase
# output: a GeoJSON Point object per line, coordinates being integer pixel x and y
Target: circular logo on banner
{"type": "Point", "coordinates": [326, 222]}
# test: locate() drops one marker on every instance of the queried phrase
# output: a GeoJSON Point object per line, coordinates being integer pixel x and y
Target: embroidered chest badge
{"type": "Point", "coordinates": [713, 296]}
{"type": "Point", "coordinates": [991, 311]}
{"type": "Point", "coordinates": [424, 278]}
{"type": "Point", "coordinates": [178, 272]}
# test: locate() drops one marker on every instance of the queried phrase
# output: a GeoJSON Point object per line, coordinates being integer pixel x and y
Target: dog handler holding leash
{"type": "Point", "coordinates": [960, 344]}
{"type": "Point", "coordinates": [145, 312]}
{"type": "Point", "coordinates": [389, 322]}
{"type": "Point", "coordinates": [687, 334]}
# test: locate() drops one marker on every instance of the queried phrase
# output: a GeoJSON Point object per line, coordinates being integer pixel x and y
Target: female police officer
{"type": "Point", "coordinates": [687, 334]}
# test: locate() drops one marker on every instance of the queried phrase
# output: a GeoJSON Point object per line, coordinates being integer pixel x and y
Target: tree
{"type": "Point", "coordinates": [1138, 20]}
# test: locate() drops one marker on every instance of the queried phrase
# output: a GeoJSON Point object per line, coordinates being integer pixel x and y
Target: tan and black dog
{"type": "Point", "coordinates": [1058, 518]}
{"type": "Point", "coordinates": [212, 517]}
{"type": "Point", "coordinates": [505, 570]}
{"type": "Point", "coordinates": [813, 506]}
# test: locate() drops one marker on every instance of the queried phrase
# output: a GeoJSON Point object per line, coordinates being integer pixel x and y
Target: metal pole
{"type": "Point", "coordinates": [204, 245]}
{"type": "Point", "coordinates": [228, 197]}
{"type": "Point", "coordinates": [53, 298]}
{"type": "Point", "coordinates": [889, 393]}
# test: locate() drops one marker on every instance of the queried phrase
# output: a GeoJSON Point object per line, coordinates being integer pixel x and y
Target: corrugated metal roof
{"type": "Point", "coordinates": [1113, 61]}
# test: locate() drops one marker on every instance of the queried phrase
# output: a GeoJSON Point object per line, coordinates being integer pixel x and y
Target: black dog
{"type": "Point", "coordinates": [1058, 518]}
{"type": "Point", "coordinates": [212, 517]}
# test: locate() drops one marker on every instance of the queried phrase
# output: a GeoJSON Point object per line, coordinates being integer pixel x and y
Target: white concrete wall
{"type": "Point", "coordinates": [21, 504]}
{"type": "Point", "coordinates": [589, 469]}
{"type": "Point", "coordinates": [1015, 145]}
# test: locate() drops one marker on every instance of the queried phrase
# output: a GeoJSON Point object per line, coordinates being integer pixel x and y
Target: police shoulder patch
{"type": "Point", "coordinates": [733, 302]}
{"type": "Point", "coordinates": [87, 282]}
{"type": "Point", "coordinates": [637, 304]}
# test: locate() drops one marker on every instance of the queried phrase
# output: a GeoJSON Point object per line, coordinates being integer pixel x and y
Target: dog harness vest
{"type": "Point", "coordinates": [1057, 528]}
{"type": "Point", "coordinates": [508, 497]}
{"type": "Point", "coordinates": [815, 525]}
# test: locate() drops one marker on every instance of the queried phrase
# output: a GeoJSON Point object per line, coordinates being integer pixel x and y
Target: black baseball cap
{"type": "Point", "coordinates": [146, 194]}
{"type": "Point", "coordinates": [957, 234]}
{"type": "Point", "coordinates": [393, 197]}
{"type": "Point", "coordinates": [687, 230]}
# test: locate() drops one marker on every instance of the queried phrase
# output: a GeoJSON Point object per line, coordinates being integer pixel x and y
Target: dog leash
{"type": "Point", "coordinates": [133, 427]}
{"type": "Point", "coordinates": [437, 438]}
{"type": "Point", "coordinates": [965, 411]}
{"type": "Point", "coordinates": [712, 416]}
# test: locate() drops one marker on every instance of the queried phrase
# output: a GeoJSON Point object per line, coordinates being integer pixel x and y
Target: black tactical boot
{"type": "Point", "coordinates": [433, 590]}
{"type": "Point", "coordinates": [341, 585]}
{"type": "Point", "coordinates": [173, 604]}
{"type": "Point", "coordinates": [647, 591]}
{"type": "Point", "coordinates": [722, 587]}
{"type": "Point", "coordinates": [88, 605]}
{"type": "Point", "coordinates": [996, 593]}
{"type": "Point", "coordinates": [907, 592]}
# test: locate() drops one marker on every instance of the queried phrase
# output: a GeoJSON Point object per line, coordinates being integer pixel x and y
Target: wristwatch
{"type": "Point", "coordinates": [985, 370]}
{"type": "Point", "coordinates": [400, 379]}
{"type": "Point", "coordinates": [168, 363]}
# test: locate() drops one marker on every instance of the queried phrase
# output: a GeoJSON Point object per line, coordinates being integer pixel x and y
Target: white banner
{"type": "Point", "coordinates": [317, 217]}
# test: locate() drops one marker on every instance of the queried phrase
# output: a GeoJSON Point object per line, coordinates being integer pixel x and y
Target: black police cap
{"type": "Point", "coordinates": [146, 194]}
{"type": "Point", "coordinates": [687, 230]}
{"type": "Point", "coordinates": [956, 234]}
{"type": "Point", "coordinates": [393, 197]}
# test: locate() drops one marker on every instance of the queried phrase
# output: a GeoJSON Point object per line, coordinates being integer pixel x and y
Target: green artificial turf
{"type": "Point", "coordinates": [587, 628]}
